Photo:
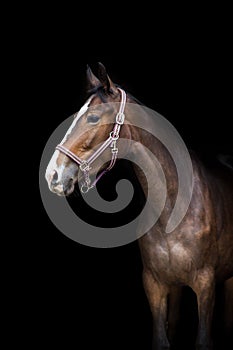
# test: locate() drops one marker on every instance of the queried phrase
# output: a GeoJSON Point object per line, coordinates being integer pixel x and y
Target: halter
{"type": "Point", "coordinates": [84, 165]}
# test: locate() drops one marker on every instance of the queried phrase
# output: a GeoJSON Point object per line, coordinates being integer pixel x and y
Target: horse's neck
{"type": "Point", "coordinates": [154, 164]}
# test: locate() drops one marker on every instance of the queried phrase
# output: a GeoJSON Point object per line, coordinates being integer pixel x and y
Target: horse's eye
{"type": "Point", "coordinates": [93, 119]}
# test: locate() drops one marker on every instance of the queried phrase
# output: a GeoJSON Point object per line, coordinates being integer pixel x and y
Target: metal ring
{"type": "Point", "coordinates": [114, 138]}
{"type": "Point", "coordinates": [82, 189]}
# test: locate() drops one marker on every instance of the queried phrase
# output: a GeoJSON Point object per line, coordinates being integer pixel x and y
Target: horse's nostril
{"type": "Point", "coordinates": [55, 177]}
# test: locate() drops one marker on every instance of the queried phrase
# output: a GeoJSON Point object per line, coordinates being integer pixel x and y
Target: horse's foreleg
{"type": "Point", "coordinates": [204, 287]}
{"type": "Point", "coordinates": [157, 297]}
{"type": "Point", "coordinates": [173, 311]}
{"type": "Point", "coordinates": [228, 309]}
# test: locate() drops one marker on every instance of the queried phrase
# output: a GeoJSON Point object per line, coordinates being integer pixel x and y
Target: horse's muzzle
{"type": "Point", "coordinates": [63, 188]}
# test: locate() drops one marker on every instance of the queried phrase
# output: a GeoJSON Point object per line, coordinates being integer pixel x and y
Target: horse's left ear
{"type": "Point", "coordinates": [107, 83]}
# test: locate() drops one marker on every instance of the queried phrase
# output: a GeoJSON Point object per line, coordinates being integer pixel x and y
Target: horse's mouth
{"type": "Point", "coordinates": [69, 191]}
{"type": "Point", "coordinates": [63, 191]}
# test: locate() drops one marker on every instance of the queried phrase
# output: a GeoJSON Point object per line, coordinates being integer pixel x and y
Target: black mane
{"type": "Point", "coordinates": [100, 92]}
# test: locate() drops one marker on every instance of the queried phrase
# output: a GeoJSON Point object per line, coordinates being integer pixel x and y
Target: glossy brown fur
{"type": "Point", "coordinates": [199, 252]}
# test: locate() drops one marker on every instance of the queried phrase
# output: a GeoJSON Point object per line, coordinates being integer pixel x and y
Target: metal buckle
{"type": "Point", "coordinates": [114, 150]}
{"type": "Point", "coordinates": [120, 118]}
{"type": "Point", "coordinates": [114, 147]}
{"type": "Point", "coordinates": [84, 167]}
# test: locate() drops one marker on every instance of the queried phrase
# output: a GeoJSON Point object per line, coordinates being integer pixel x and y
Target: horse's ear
{"type": "Point", "coordinates": [106, 82]}
{"type": "Point", "coordinates": [92, 80]}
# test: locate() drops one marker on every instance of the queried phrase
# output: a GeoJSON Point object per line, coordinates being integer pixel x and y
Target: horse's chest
{"type": "Point", "coordinates": [169, 263]}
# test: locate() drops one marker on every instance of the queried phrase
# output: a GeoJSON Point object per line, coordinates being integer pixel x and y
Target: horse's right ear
{"type": "Point", "coordinates": [92, 80]}
{"type": "Point", "coordinates": [108, 85]}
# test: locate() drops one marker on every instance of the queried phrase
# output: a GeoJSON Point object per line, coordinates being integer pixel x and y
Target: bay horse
{"type": "Point", "coordinates": [198, 253]}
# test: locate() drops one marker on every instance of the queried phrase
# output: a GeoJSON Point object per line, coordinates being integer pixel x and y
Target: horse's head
{"type": "Point", "coordinates": [94, 124]}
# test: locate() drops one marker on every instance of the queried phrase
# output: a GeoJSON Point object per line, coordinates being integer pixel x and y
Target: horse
{"type": "Point", "coordinates": [198, 252]}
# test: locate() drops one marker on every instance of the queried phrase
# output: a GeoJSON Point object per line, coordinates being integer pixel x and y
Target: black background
{"type": "Point", "coordinates": [81, 295]}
